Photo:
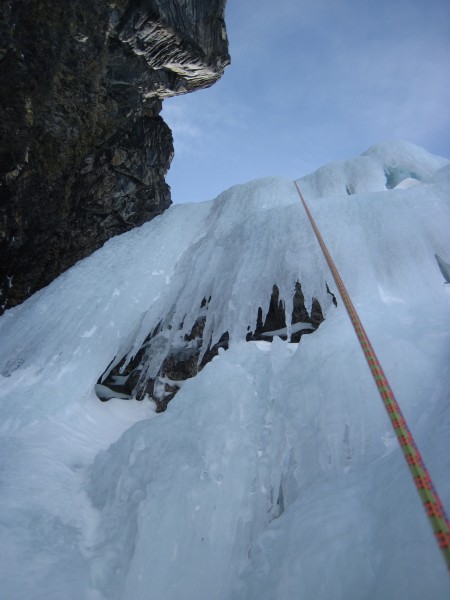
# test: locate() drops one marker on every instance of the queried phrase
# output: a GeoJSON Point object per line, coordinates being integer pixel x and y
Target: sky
{"type": "Point", "coordinates": [312, 81]}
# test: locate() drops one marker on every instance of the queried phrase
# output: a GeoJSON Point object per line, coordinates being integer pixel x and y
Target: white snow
{"type": "Point", "coordinates": [284, 330]}
{"type": "Point", "coordinates": [105, 393]}
{"type": "Point", "coordinates": [274, 473]}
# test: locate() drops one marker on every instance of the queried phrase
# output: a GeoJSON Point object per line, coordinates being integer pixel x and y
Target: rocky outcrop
{"type": "Point", "coordinates": [83, 150]}
{"type": "Point", "coordinates": [186, 356]}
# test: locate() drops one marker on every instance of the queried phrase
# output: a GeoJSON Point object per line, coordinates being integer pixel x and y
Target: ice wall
{"type": "Point", "coordinates": [274, 472]}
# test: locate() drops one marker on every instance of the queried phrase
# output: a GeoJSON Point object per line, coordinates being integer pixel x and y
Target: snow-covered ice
{"type": "Point", "coordinates": [274, 473]}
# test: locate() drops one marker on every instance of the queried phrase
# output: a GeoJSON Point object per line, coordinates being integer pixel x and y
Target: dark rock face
{"type": "Point", "coordinates": [185, 359]}
{"type": "Point", "coordinates": [83, 151]}
{"type": "Point", "coordinates": [276, 318]}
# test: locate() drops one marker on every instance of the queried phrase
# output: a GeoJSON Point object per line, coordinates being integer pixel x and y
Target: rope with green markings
{"type": "Point", "coordinates": [427, 492]}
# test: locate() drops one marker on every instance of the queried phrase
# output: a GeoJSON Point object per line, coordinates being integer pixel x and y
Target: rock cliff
{"type": "Point", "coordinates": [83, 151]}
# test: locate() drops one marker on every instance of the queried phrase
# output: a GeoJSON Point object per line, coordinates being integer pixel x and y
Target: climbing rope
{"type": "Point", "coordinates": [430, 498]}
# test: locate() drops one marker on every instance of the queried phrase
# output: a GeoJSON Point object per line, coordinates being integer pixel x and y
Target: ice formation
{"type": "Point", "coordinates": [274, 473]}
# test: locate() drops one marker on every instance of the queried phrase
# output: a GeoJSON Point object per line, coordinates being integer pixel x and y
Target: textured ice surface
{"type": "Point", "coordinates": [274, 472]}
{"type": "Point", "coordinates": [383, 166]}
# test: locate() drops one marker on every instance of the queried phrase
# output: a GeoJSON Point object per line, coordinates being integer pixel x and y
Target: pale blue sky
{"type": "Point", "coordinates": [313, 81]}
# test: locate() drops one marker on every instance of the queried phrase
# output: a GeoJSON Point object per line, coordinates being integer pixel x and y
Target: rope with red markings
{"type": "Point", "coordinates": [430, 498]}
